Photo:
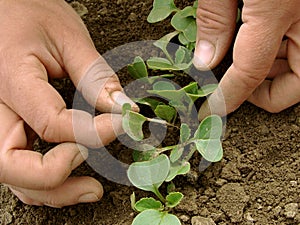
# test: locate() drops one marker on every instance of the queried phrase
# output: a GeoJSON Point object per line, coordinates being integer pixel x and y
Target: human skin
{"type": "Point", "coordinates": [42, 40]}
{"type": "Point", "coordinates": [266, 54]}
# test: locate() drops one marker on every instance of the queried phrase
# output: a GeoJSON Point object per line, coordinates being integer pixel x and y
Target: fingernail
{"type": "Point", "coordinates": [88, 197]}
{"type": "Point", "coordinates": [120, 98]}
{"type": "Point", "coordinates": [204, 54]}
{"type": "Point", "coordinates": [80, 157]}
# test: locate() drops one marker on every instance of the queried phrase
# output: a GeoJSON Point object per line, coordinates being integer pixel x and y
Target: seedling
{"type": "Point", "coordinates": [183, 20]}
{"type": "Point", "coordinates": [156, 165]}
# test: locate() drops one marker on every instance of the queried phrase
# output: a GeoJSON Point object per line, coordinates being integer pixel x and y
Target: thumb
{"type": "Point", "coordinates": [216, 24]}
{"type": "Point", "coordinates": [100, 86]}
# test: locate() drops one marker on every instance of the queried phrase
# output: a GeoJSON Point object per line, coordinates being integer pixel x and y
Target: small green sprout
{"type": "Point", "coordinates": [150, 174]}
{"type": "Point", "coordinates": [155, 165]}
{"type": "Point", "coordinates": [183, 20]}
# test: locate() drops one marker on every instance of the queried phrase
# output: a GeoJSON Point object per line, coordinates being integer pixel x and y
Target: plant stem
{"type": "Point", "coordinates": [158, 194]}
{"type": "Point", "coordinates": [164, 149]}
{"type": "Point", "coordinates": [161, 122]}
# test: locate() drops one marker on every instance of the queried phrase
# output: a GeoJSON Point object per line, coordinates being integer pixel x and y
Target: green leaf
{"type": "Point", "coordinates": [173, 199]}
{"type": "Point", "coordinates": [180, 55]}
{"type": "Point", "coordinates": [132, 123]}
{"type": "Point", "coordinates": [203, 91]}
{"type": "Point", "coordinates": [138, 68]}
{"type": "Point", "coordinates": [182, 39]}
{"type": "Point", "coordinates": [191, 46]}
{"type": "Point", "coordinates": [171, 187]}
{"type": "Point", "coordinates": [165, 112]}
{"type": "Point", "coordinates": [144, 155]}
{"type": "Point", "coordinates": [185, 132]}
{"type": "Point", "coordinates": [158, 63]}
{"type": "Point", "coordinates": [207, 89]}
{"type": "Point", "coordinates": [189, 11]}
{"type": "Point", "coordinates": [210, 127]}
{"type": "Point", "coordinates": [152, 79]}
{"type": "Point", "coordinates": [161, 10]}
{"type": "Point", "coordinates": [132, 201]}
{"type": "Point", "coordinates": [210, 149]}
{"type": "Point", "coordinates": [153, 103]}
{"type": "Point", "coordinates": [163, 86]}
{"type": "Point", "coordinates": [148, 203]}
{"type": "Point", "coordinates": [172, 95]}
{"type": "Point", "coordinates": [178, 169]}
{"type": "Point", "coordinates": [125, 108]}
{"type": "Point", "coordinates": [155, 217]}
{"type": "Point", "coordinates": [187, 25]}
{"type": "Point", "coordinates": [149, 175]}
{"type": "Point", "coordinates": [176, 153]}
{"type": "Point", "coordinates": [195, 5]}
{"type": "Point", "coordinates": [163, 42]}
{"type": "Point", "coordinates": [191, 88]}
{"type": "Point", "coordinates": [207, 138]}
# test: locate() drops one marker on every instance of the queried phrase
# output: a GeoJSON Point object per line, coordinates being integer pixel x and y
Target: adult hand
{"type": "Point", "coordinates": [41, 40]}
{"type": "Point", "coordinates": [265, 69]}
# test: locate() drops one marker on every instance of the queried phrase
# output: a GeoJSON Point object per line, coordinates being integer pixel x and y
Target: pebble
{"type": "Point", "coordinates": [6, 218]}
{"type": "Point", "coordinates": [199, 220]}
{"type": "Point", "coordinates": [79, 8]}
{"type": "Point", "coordinates": [220, 182]}
{"type": "Point", "coordinates": [264, 129]}
{"type": "Point", "coordinates": [184, 218]}
{"type": "Point", "coordinates": [291, 210]}
{"type": "Point", "coordinates": [277, 211]}
{"type": "Point", "coordinates": [248, 217]}
{"type": "Point", "coordinates": [132, 17]}
{"type": "Point", "coordinates": [119, 2]}
{"type": "Point", "coordinates": [293, 183]}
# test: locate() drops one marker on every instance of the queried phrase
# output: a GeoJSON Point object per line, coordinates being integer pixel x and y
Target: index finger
{"type": "Point", "coordinates": [255, 50]}
{"type": "Point", "coordinates": [41, 106]}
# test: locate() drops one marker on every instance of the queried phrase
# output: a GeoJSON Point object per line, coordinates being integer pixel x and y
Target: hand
{"type": "Point", "coordinates": [265, 69]}
{"type": "Point", "coordinates": [41, 40]}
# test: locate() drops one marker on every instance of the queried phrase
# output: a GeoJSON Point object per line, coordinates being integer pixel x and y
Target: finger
{"type": "Point", "coordinates": [101, 88]}
{"type": "Point", "coordinates": [255, 50]}
{"type": "Point", "coordinates": [73, 191]}
{"type": "Point", "coordinates": [44, 110]}
{"type": "Point", "coordinates": [280, 66]}
{"type": "Point", "coordinates": [23, 198]}
{"type": "Point", "coordinates": [270, 94]}
{"type": "Point", "coordinates": [29, 169]}
{"type": "Point", "coordinates": [216, 24]}
{"type": "Point", "coordinates": [90, 73]}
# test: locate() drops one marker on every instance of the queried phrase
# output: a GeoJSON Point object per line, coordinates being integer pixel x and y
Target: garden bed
{"type": "Point", "coordinates": [257, 181]}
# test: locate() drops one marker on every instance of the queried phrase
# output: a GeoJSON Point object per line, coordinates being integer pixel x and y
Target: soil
{"type": "Point", "coordinates": [257, 181]}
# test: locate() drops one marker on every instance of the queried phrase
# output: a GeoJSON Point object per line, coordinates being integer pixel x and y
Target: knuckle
{"type": "Point", "coordinates": [48, 126]}
{"type": "Point", "coordinates": [272, 106]}
{"type": "Point", "coordinates": [55, 179]}
{"type": "Point", "coordinates": [46, 131]}
{"type": "Point", "coordinates": [250, 79]}
{"type": "Point", "coordinates": [211, 20]}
